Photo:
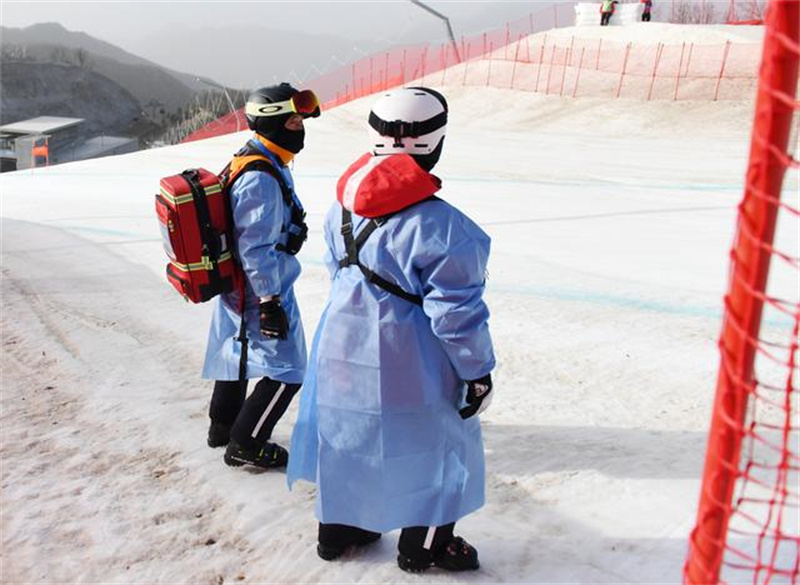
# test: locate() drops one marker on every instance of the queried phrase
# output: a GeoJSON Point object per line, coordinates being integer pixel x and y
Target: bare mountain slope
{"type": "Point", "coordinates": [63, 90]}
{"type": "Point", "coordinates": [144, 79]}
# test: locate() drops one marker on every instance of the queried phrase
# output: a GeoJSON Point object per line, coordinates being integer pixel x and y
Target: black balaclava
{"type": "Point", "coordinates": [428, 161]}
{"type": "Point", "coordinates": [291, 140]}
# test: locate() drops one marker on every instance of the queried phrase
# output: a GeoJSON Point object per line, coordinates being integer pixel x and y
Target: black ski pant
{"type": "Point", "coordinates": [252, 419]}
{"type": "Point", "coordinates": [646, 17]}
{"type": "Point", "coordinates": [416, 542]}
{"type": "Point", "coordinates": [604, 18]}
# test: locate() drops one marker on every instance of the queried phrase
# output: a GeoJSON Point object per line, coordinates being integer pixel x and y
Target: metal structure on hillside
{"type": "Point", "coordinates": [447, 23]}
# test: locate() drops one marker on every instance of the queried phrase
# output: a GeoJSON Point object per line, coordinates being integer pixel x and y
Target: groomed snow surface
{"type": "Point", "coordinates": [611, 222]}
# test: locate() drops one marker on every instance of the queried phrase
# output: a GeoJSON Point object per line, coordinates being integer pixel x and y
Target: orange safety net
{"type": "Point", "coordinates": [748, 520]}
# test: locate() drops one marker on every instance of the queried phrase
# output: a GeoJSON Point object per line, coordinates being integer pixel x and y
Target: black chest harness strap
{"type": "Point", "coordinates": [298, 231]}
{"type": "Point", "coordinates": [353, 246]}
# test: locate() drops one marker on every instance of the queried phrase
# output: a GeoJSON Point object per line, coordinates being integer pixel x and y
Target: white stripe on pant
{"type": "Point", "coordinates": [429, 538]}
{"type": "Point", "coordinates": [270, 406]}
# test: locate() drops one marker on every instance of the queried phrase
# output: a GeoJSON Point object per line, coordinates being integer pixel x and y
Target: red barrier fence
{"type": "Point", "coordinates": [575, 67]}
{"type": "Point", "coordinates": [748, 517]}
{"type": "Point", "coordinates": [516, 57]}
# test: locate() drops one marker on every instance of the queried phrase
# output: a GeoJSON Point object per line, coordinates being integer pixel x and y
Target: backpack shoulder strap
{"type": "Point", "coordinates": [258, 162]}
{"type": "Point", "coordinates": [353, 246]}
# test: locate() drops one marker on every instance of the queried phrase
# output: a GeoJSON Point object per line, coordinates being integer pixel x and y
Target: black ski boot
{"type": "Point", "coordinates": [455, 555]}
{"type": "Point", "coordinates": [219, 435]}
{"type": "Point", "coordinates": [269, 456]}
{"type": "Point", "coordinates": [333, 540]}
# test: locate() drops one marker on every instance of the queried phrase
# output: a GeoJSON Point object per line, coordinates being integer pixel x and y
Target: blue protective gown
{"type": "Point", "coordinates": [261, 221]}
{"type": "Point", "coordinates": [378, 427]}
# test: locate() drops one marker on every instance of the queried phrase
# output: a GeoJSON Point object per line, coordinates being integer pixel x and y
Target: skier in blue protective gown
{"type": "Point", "coordinates": [402, 345]}
{"type": "Point", "coordinates": [268, 230]}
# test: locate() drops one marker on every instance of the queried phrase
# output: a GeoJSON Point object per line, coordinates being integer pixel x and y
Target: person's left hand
{"type": "Point", "coordinates": [273, 321]}
{"type": "Point", "coordinates": [479, 396]}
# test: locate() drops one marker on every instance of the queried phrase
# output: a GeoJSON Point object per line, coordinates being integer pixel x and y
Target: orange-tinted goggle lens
{"type": "Point", "coordinates": [306, 103]}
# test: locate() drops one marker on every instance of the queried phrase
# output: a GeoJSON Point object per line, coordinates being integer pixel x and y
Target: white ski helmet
{"type": "Point", "coordinates": [411, 120]}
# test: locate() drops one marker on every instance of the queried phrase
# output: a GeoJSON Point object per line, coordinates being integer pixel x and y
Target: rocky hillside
{"type": "Point", "coordinates": [145, 80]}
{"type": "Point", "coordinates": [50, 71]}
{"type": "Point", "coordinates": [36, 89]}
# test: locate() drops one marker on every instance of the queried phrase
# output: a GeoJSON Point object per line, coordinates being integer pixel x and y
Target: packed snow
{"type": "Point", "coordinates": [611, 223]}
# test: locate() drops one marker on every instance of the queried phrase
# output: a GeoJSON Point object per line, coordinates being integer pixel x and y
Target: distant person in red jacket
{"type": "Point", "coordinates": [647, 8]}
{"type": "Point", "coordinates": [606, 10]}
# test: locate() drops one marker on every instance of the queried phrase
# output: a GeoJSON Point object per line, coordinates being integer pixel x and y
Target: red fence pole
{"type": "Point", "coordinates": [750, 261]}
{"type": "Point", "coordinates": [624, 68]}
{"type": "Point", "coordinates": [722, 68]}
{"type": "Point", "coordinates": [566, 63]}
{"type": "Point", "coordinates": [688, 59]}
{"type": "Point", "coordinates": [539, 69]}
{"type": "Point", "coordinates": [678, 76]}
{"type": "Point", "coordinates": [516, 59]}
{"type": "Point", "coordinates": [578, 77]}
{"type": "Point", "coordinates": [550, 70]}
{"type": "Point", "coordinates": [655, 70]}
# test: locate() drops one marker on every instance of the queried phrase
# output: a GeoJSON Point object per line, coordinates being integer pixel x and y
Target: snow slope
{"type": "Point", "coordinates": [611, 223]}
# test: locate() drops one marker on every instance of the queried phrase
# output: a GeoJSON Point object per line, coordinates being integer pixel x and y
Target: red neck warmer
{"type": "Point", "coordinates": [379, 185]}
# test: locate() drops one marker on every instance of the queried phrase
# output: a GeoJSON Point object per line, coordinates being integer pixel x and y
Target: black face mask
{"type": "Point", "coordinates": [428, 161]}
{"type": "Point", "coordinates": [291, 140]}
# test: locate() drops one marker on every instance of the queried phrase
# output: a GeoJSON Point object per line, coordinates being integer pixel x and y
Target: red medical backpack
{"type": "Point", "coordinates": [195, 219]}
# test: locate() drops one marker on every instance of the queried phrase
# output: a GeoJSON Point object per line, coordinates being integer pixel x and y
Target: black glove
{"type": "Point", "coordinates": [273, 321]}
{"type": "Point", "coordinates": [479, 396]}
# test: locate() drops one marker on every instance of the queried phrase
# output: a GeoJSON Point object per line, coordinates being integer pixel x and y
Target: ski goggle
{"type": "Point", "coordinates": [304, 103]}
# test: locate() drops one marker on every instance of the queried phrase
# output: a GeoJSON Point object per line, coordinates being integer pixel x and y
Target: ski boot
{"type": "Point", "coordinates": [267, 457]}
{"type": "Point", "coordinates": [357, 538]}
{"type": "Point", "coordinates": [219, 434]}
{"type": "Point", "coordinates": [455, 555]}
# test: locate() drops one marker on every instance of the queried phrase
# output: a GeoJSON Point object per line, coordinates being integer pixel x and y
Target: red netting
{"type": "Point", "coordinates": [748, 523]}
{"type": "Point", "coordinates": [558, 65]}
{"type": "Point", "coordinates": [522, 56]}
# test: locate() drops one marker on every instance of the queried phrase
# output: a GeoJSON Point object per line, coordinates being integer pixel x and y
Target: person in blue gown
{"type": "Point", "coordinates": [401, 359]}
{"type": "Point", "coordinates": [256, 331]}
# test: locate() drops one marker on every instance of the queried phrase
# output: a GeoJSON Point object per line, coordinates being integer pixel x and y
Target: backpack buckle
{"type": "Point", "coordinates": [207, 262]}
